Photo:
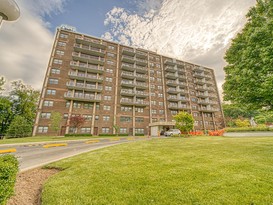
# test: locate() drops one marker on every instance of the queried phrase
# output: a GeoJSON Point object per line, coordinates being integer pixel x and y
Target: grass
{"type": "Point", "coordinates": [195, 170]}
{"type": "Point", "coordinates": [47, 139]}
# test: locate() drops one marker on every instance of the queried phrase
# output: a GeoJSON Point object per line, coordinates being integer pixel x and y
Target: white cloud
{"type": "Point", "coordinates": [26, 44]}
{"type": "Point", "coordinates": [198, 31]}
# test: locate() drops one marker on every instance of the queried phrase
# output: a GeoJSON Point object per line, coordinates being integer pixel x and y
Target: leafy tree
{"type": "Point", "coordinates": [6, 114]}
{"type": "Point", "coordinates": [19, 127]}
{"type": "Point", "coordinates": [2, 82]}
{"type": "Point", "coordinates": [116, 128]}
{"type": "Point", "coordinates": [77, 121]}
{"type": "Point", "coordinates": [56, 120]}
{"type": "Point", "coordinates": [24, 100]}
{"type": "Point", "coordinates": [184, 121]}
{"type": "Point", "coordinates": [249, 73]}
{"type": "Point", "coordinates": [264, 118]}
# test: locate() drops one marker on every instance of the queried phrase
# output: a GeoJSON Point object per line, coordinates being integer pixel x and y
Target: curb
{"type": "Point", "coordinates": [54, 145]}
{"type": "Point", "coordinates": [7, 151]}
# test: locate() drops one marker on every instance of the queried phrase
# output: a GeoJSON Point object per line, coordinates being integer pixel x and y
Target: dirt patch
{"type": "Point", "coordinates": [28, 186]}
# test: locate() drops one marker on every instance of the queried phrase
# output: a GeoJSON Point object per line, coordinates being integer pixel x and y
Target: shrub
{"type": "Point", "coordinates": [242, 123]}
{"type": "Point", "coordinates": [248, 129]}
{"type": "Point", "coordinates": [196, 133]}
{"type": "Point", "coordinates": [19, 127]}
{"type": "Point", "coordinates": [8, 171]}
{"type": "Point", "coordinates": [216, 133]}
{"type": "Point", "coordinates": [78, 135]}
{"type": "Point", "coordinates": [139, 134]}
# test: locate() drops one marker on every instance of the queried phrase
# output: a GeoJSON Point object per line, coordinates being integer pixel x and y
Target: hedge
{"type": "Point", "coordinates": [139, 134]}
{"type": "Point", "coordinates": [78, 135]}
{"type": "Point", "coordinates": [113, 135]}
{"type": "Point", "coordinates": [247, 129]}
{"type": "Point", "coordinates": [8, 171]}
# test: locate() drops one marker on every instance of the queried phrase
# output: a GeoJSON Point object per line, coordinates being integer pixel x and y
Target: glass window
{"type": "Point", "coordinates": [153, 111]}
{"type": "Point", "coordinates": [106, 107]}
{"type": "Point", "coordinates": [108, 88]}
{"type": "Point", "coordinates": [57, 61]}
{"type": "Point", "coordinates": [106, 118]}
{"type": "Point", "coordinates": [53, 81]}
{"type": "Point", "coordinates": [125, 119]}
{"type": "Point", "coordinates": [88, 106]}
{"type": "Point", "coordinates": [55, 71]}
{"type": "Point", "coordinates": [67, 104]}
{"type": "Point", "coordinates": [108, 70]}
{"type": "Point", "coordinates": [160, 95]}
{"type": "Point", "coordinates": [87, 117]}
{"type": "Point", "coordinates": [108, 79]}
{"type": "Point", "coordinates": [123, 130]}
{"type": "Point", "coordinates": [105, 130]}
{"type": "Point", "coordinates": [139, 119]}
{"type": "Point", "coordinates": [139, 130]}
{"type": "Point", "coordinates": [160, 103]}
{"type": "Point", "coordinates": [126, 108]}
{"type": "Point", "coordinates": [61, 43]}
{"type": "Point", "coordinates": [58, 52]}
{"type": "Point", "coordinates": [76, 105]}
{"type": "Point", "coordinates": [62, 35]}
{"type": "Point", "coordinates": [42, 129]}
{"type": "Point", "coordinates": [138, 109]}
{"type": "Point", "coordinates": [85, 130]}
{"type": "Point", "coordinates": [51, 92]}
{"type": "Point", "coordinates": [45, 115]}
{"type": "Point", "coordinates": [48, 103]}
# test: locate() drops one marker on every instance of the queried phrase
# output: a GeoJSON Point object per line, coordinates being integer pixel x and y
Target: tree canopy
{"type": "Point", "coordinates": [184, 121]}
{"type": "Point", "coordinates": [249, 73]}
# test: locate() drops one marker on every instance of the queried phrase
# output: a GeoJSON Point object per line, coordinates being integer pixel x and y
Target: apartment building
{"type": "Point", "coordinates": [134, 89]}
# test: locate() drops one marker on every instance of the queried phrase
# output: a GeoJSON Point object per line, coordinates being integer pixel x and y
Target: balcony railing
{"type": "Point", "coordinates": [82, 97]}
{"type": "Point", "coordinates": [94, 42]}
{"type": "Point", "coordinates": [128, 51]}
{"type": "Point", "coordinates": [141, 54]}
{"type": "Point", "coordinates": [171, 76]}
{"type": "Point", "coordinates": [89, 49]}
{"type": "Point", "coordinates": [126, 101]}
{"type": "Point", "coordinates": [85, 66]}
{"type": "Point", "coordinates": [83, 86]}
{"type": "Point", "coordinates": [172, 82]}
{"type": "Point", "coordinates": [179, 107]}
{"type": "Point", "coordinates": [171, 68]}
{"type": "Point", "coordinates": [206, 109]}
{"type": "Point", "coordinates": [88, 58]}
{"type": "Point", "coordinates": [87, 77]}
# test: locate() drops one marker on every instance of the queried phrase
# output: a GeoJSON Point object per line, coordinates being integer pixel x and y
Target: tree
{"type": "Point", "coordinates": [184, 121]}
{"type": "Point", "coordinates": [249, 73]}
{"type": "Point", "coordinates": [19, 127]}
{"type": "Point", "coordinates": [2, 82]}
{"type": "Point", "coordinates": [6, 114]}
{"type": "Point", "coordinates": [24, 100]}
{"type": "Point", "coordinates": [56, 120]}
{"type": "Point", "coordinates": [77, 121]}
{"type": "Point", "coordinates": [116, 128]}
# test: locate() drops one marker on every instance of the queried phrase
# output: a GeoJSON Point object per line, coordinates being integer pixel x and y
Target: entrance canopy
{"type": "Point", "coordinates": [157, 127]}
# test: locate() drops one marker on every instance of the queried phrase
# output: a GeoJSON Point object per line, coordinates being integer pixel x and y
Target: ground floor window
{"type": "Point", "coordinates": [139, 130]}
{"type": "Point", "coordinates": [105, 130]}
{"type": "Point", "coordinates": [123, 130]}
{"type": "Point", "coordinates": [42, 129]}
{"type": "Point", "coordinates": [85, 130]}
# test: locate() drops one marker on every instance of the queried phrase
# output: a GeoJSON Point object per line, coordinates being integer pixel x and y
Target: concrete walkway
{"type": "Point", "coordinates": [248, 134]}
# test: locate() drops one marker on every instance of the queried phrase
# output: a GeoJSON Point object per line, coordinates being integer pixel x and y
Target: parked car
{"type": "Point", "coordinates": [172, 132]}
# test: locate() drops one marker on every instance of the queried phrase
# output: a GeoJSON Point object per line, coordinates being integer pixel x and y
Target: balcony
{"type": "Point", "coordinates": [127, 66]}
{"type": "Point", "coordinates": [127, 83]}
{"type": "Point", "coordinates": [180, 64]}
{"type": "Point", "coordinates": [141, 94]}
{"type": "Point", "coordinates": [141, 85]}
{"type": "Point", "coordinates": [173, 90]}
{"type": "Point", "coordinates": [141, 69]}
{"type": "Point", "coordinates": [128, 75]}
{"type": "Point", "coordinates": [202, 95]}
{"type": "Point", "coordinates": [141, 62]}
{"type": "Point", "coordinates": [169, 62]}
{"type": "Point", "coordinates": [87, 77]}
{"type": "Point", "coordinates": [82, 86]}
{"type": "Point", "coordinates": [199, 75]}
{"type": "Point", "coordinates": [183, 99]}
{"type": "Point", "coordinates": [87, 58]}
{"type": "Point", "coordinates": [181, 70]}
{"type": "Point", "coordinates": [171, 76]}
{"type": "Point", "coordinates": [211, 89]}
{"type": "Point", "coordinates": [209, 82]}
{"type": "Point", "coordinates": [208, 102]}
{"type": "Point", "coordinates": [183, 91]}
{"type": "Point", "coordinates": [182, 84]}
{"type": "Point", "coordinates": [172, 69]}
{"type": "Point", "coordinates": [93, 42]}
{"type": "Point", "coordinates": [125, 101]}
{"type": "Point", "coordinates": [140, 54]}
{"type": "Point", "coordinates": [213, 96]}
{"type": "Point", "coordinates": [201, 88]}
{"type": "Point", "coordinates": [206, 109]}
{"type": "Point", "coordinates": [198, 69]}
{"type": "Point", "coordinates": [182, 77]}
{"type": "Point", "coordinates": [128, 51]}
{"type": "Point", "coordinates": [82, 97]}
{"type": "Point", "coordinates": [208, 77]}
{"type": "Point", "coordinates": [141, 77]}
{"type": "Point", "coordinates": [86, 67]}
{"type": "Point", "coordinates": [200, 82]}
{"type": "Point", "coordinates": [128, 59]}
{"type": "Point", "coordinates": [173, 98]}
{"type": "Point", "coordinates": [179, 107]}
{"type": "Point", "coordinates": [125, 92]}
{"type": "Point", "coordinates": [88, 49]}
{"type": "Point", "coordinates": [172, 82]}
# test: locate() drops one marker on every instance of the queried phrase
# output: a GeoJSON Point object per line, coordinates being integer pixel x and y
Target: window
{"type": "Point", "coordinates": [196, 123]}
{"type": "Point", "coordinates": [123, 130]}
{"type": "Point", "coordinates": [105, 130]}
{"type": "Point", "coordinates": [87, 117]}
{"type": "Point", "coordinates": [108, 88]}
{"type": "Point", "coordinates": [161, 120]}
{"type": "Point", "coordinates": [153, 102]}
{"type": "Point", "coordinates": [126, 108]}
{"type": "Point", "coordinates": [139, 119]}
{"type": "Point", "coordinates": [160, 103]}
{"type": "Point", "coordinates": [194, 107]}
{"type": "Point", "coordinates": [107, 97]}
{"type": "Point", "coordinates": [110, 62]}
{"type": "Point", "coordinates": [88, 106]}
{"type": "Point", "coordinates": [160, 95]}
{"type": "Point", "coordinates": [154, 119]}
{"type": "Point", "coordinates": [85, 130]}
{"type": "Point", "coordinates": [194, 100]}
{"type": "Point", "coordinates": [51, 92]}
{"type": "Point", "coordinates": [106, 118]}
{"type": "Point", "coordinates": [55, 71]}
{"type": "Point", "coordinates": [152, 94]}
{"type": "Point", "coordinates": [48, 103]}
{"type": "Point", "coordinates": [152, 73]}
{"type": "Point", "coordinates": [152, 86]}
{"type": "Point", "coordinates": [195, 114]}
{"type": "Point", "coordinates": [125, 119]}
{"type": "Point", "coordinates": [159, 87]}
{"type": "Point", "coordinates": [61, 43]}
{"type": "Point", "coordinates": [161, 112]}
{"type": "Point", "coordinates": [57, 61]}
{"type": "Point", "coordinates": [97, 107]}
{"type": "Point", "coordinates": [106, 107]}
{"type": "Point", "coordinates": [173, 112]}
{"type": "Point", "coordinates": [108, 79]}
{"type": "Point", "coordinates": [158, 72]}
{"type": "Point", "coordinates": [108, 70]}
{"type": "Point", "coordinates": [138, 109]}
{"type": "Point", "coordinates": [111, 55]}
{"type": "Point", "coordinates": [65, 116]}
{"type": "Point", "coordinates": [96, 117]}
{"type": "Point", "coordinates": [62, 35]}
{"type": "Point", "coordinates": [159, 80]}
{"type": "Point", "coordinates": [157, 65]}
{"type": "Point", "coordinates": [139, 130]}
{"type": "Point", "coordinates": [42, 129]}
{"type": "Point", "coordinates": [152, 79]}
{"type": "Point", "coordinates": [58, 52]}
{"type": "Point", "coordinates": [45, 115]}
{"type": "Point", "coordinates": [153, 111]}
{"type": "Point", "coordinates": [76, 105]}
{"type": "Point", "coordinates": [53, 81]}
{"type": "Point", "coordinates": [67, 104]}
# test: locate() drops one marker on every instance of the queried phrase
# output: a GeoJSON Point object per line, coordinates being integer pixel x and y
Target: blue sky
{"type": "Point", "coordinates": [197, 31]}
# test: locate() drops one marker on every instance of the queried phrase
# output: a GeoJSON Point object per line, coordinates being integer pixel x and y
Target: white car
{"type": "Point", "coordinates": [172, 132]}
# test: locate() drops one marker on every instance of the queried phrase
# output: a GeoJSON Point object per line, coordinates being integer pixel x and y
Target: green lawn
{"type": "Point", "coordinates": [195, 170]}
{"type": "Point", "coordinates": [45, 139]}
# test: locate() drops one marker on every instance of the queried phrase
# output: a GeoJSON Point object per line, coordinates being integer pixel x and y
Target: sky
{"type": "Point", "coordinates": [197, 31]}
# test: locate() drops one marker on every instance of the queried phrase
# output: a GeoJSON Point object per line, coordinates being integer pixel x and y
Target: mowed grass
{"type": "Point", "coordinates": [195, 170]}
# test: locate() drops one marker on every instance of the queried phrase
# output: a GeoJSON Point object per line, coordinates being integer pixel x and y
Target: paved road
{"type": "Point", "coordinates": [35, 155]}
